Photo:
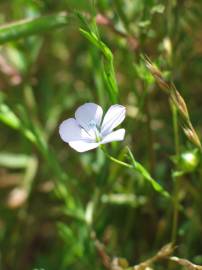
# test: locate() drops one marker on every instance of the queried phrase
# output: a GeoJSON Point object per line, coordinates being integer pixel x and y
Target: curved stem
{"type": "Point", "coordinates": [138, 167]}
{"type": "Point", "coordinates": [122, 163]}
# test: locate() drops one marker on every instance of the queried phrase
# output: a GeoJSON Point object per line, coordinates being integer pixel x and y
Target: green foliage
{"type": "Point", "coordinates": [137, 166]}
{"type": "Point", "coordinates": [30, 27]}
{"type": "Point", "coordinates": [108, 68]}
{"type": "Point", "coordinates": [65, 210]}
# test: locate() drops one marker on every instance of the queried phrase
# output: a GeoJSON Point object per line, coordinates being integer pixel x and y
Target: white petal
{"type": "Point", "coordinates": [114, 117]}
{"type": "Point", "coordinates": [83, 146]}
{"type": "Point", "coordinates": [117, 135]}
{"type": "Point", "coordinates": [69, 130]}
{"type": "Point", "coordinates": [88, 113]}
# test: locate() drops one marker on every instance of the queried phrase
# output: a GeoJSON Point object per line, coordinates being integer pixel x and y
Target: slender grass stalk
{"type": "Point", "coordinates": [150, 140]}
{"type": "Point", "coordinates": [175, 129]}
{"type": "Point", "coordinates": [175, 209]}
{"type": "Point", "coordinates": [175, 179]}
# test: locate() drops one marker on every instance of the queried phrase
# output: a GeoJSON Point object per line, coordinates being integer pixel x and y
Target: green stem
{"type": "Point", "coordinates": [175, 179]}
{"type": "Point", "coordinates": [116, 160]}
{"type": "Point", "coordinates": [150, 139]}
{"type": "Point", "coordinates": [175, 129]}
{"type": "Point", "coordinates": [175, 210]}
{"type": "Point", "coordinates": [138, 167]}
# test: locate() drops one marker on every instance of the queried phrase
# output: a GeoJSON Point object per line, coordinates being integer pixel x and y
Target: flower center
{"type": "Point", "coordinates": [92, 126]}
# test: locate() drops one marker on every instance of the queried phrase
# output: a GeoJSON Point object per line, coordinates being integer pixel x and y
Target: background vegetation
{"type": "Point", "coordinates": [64, 210]}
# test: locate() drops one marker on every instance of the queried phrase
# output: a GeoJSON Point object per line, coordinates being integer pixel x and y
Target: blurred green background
{"type": "Point", "coordinates": [52, 199]}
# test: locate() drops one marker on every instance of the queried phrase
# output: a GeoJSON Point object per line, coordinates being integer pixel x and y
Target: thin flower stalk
{"type": "Point", "coordinates": [134, 165]}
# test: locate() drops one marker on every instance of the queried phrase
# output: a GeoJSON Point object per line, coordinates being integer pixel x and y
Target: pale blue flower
{"type": "Point", "coordinates": [87, 130]}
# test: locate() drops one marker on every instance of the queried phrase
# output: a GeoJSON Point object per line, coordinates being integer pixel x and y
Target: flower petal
{"type": "Point", "coordinates": [69, 130]}
{"type": "Point", "coordinates": [117, 135]}
{"type": "Point", "coordinates": [83, 146]}
{"type": "Point", "coordinates": [114, 117]}
{"type": "Point", "coordinates": [88, 113]}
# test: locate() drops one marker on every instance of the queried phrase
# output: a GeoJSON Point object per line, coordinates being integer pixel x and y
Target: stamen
{"type": "Point", "coordinates": [92, 125]}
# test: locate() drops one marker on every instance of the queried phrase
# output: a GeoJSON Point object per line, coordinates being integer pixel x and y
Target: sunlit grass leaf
{"type": "Point", "coordinates": [24, 28]}
{"type": "Point", "coordinates": [10, 119]}
{"type": "Point", "coordinates": [13, 161]}
{"type": "Point", "coordinates": [124, 199]}
{"type": "Point", "coordinates": [144, 24]}
{"type": "Point", "coordinates": [158, 9]}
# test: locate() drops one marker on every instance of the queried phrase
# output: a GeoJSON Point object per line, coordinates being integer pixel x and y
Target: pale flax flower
{"type": "Point", "coordinates": [88, 131]}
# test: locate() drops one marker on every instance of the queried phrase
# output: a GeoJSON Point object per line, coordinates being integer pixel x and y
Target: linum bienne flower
{"type": "Point", "coordinates": [88, 131]}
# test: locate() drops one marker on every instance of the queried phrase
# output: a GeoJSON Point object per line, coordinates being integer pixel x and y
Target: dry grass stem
{"type": "Point", "coordinates": [187, 264]}
{"type": "Point", "coordinates": [163, 253]}
{"type": "Point", "coordinates": [177, 100]}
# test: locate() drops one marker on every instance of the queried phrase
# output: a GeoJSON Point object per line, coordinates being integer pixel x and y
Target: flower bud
{"type": "Point", "coordinates": [189, 161]}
